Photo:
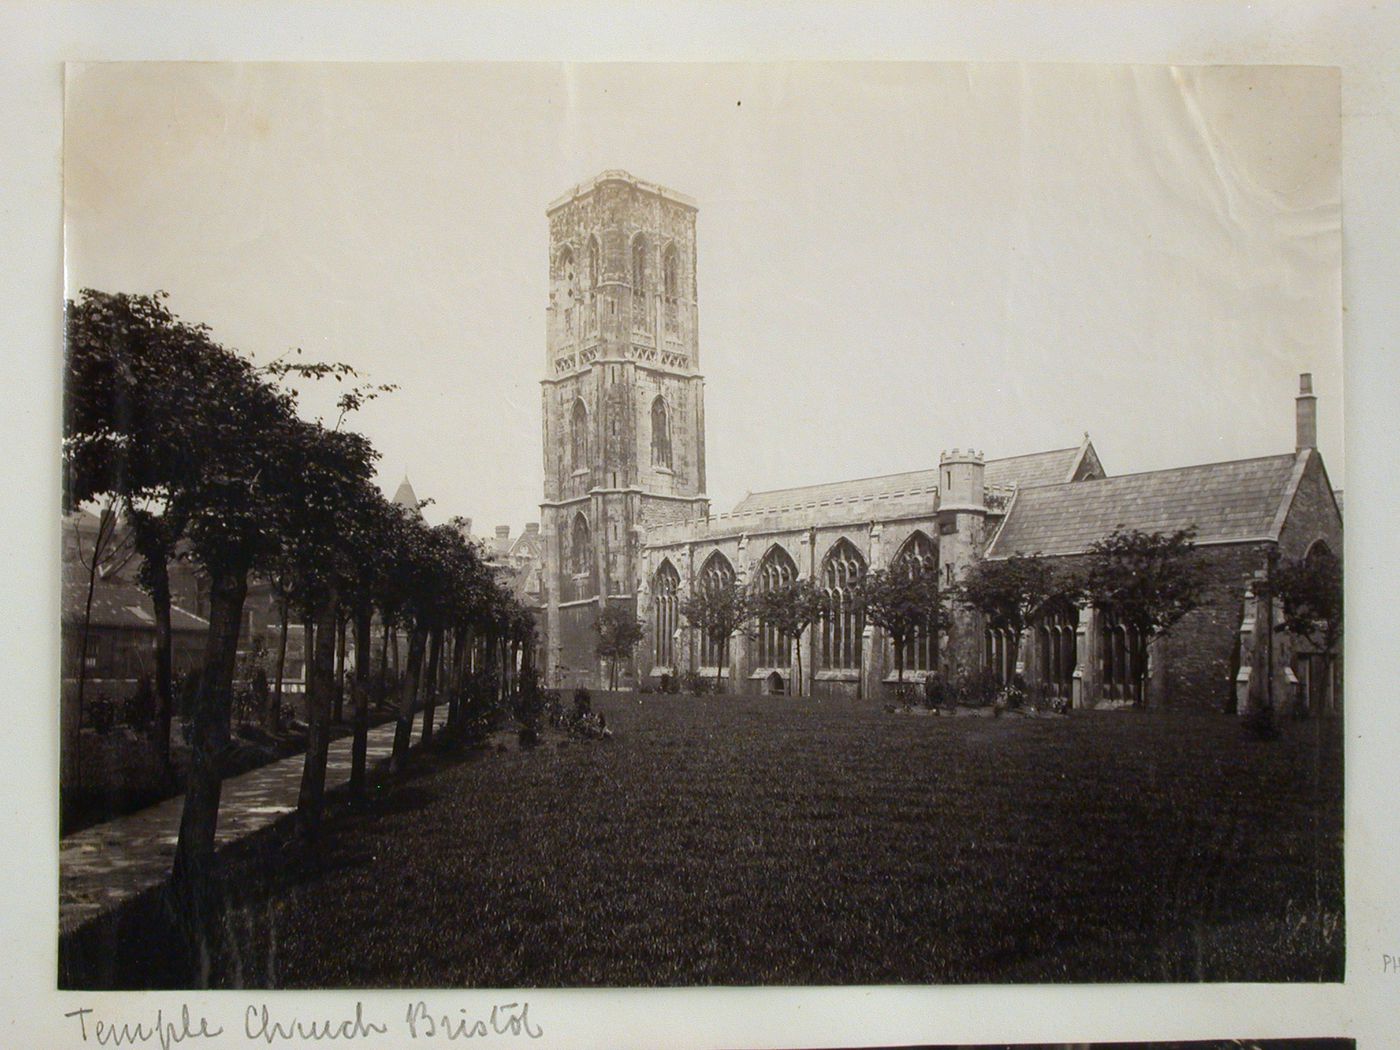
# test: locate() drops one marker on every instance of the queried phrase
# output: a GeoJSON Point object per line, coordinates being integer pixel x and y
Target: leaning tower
{"type": "Point", "coordinates": [622, 401]}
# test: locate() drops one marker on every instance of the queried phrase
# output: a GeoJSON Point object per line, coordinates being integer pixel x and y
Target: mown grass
{"type": "Point", "coordinates": [728, 840]}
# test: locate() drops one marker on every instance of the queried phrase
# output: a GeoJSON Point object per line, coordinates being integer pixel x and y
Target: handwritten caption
{"type": "Point", "coordinates": [261, 1024]}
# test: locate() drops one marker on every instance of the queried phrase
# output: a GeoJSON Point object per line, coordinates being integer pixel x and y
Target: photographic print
{"type": "Point", "coordinates": [537, 525]}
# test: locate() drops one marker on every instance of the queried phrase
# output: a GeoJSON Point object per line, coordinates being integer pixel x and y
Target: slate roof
{"type": "Point", "coordinates": [1036, 468]}
{"type": "Point", "coordinates": [118, 603]}
{"type": "Point", "coordinates": [1226, 502]}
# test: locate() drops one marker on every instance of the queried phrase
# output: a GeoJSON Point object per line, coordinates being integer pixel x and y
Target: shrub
{"type": "Point", "coordinates": [696, 684]}
{"type": "Point", "coordinates": [583, 702]}
{"type": "Point", "coordinates": [645, 687]}
{"type": "Point", "coordinates": [936, 692]}
{"type": "Point", "coordinates": [1259, 723]}
{"type": "Point", "coordinates": [1015, 694]}
{"type": "Point", "coordinates": [670, 684]}
{"type": "Point", "coordinates": [102, 713]}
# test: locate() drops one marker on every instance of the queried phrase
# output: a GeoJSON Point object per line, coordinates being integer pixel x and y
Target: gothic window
{"type": "Point", "coordinates": [639, 264]}
{"type": "Point", "coordinates": [1122, 658]}
{"type": "Point", "coordinates": [1055, 635]}
{"type": "Point", "coordinates": [581, 557]}
{"type": "Point", "coordinates": [999, 655]}
{"type": "Point", "coordinates": [843, 624]}
{"type": "Point", "coordinates": [665, 612]}
{"type": "Point", "coordinates": [717, 573]}
{"type": "Point", "coordinates": [578, 437]}
{"type": "Point", "coordinates": [640, 306]}
{"type": "Point", "coordinates": [777, 570]}
{"type": "Point", "coordinates": [595, 272]}
{"type": "Point", "coordinates": [566, 296]}
{"type": "Point", "coordinates": [917, 557]}
{"type": "Point", "coordinates": [670, 269]}
{"type": "Point", "coordinates": [660, 434]}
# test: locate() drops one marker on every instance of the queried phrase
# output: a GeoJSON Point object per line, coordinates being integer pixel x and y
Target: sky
{"type": "Point", "coordinates": [893, 259]}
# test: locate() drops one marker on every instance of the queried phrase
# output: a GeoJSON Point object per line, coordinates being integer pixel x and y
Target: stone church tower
{"type": "Point", "coordinates": [622, 401]}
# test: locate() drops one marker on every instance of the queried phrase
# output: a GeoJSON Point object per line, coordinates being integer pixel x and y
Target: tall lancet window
{"type": "Point", "coordinates": [844, 623]}
{"type": "Point", "coordinates": [716, 574]}
{"type": "Point", "coordinates": [915, 558]}
{"type": "Point", "coordinates": [665, 586]}
{"type": "Point", "coordinates": [581, 557]}
{"type": "Point", "coordinates": [578, 437]}
{"type": "Point", "coordinates": [776, 571]}
{"type": "Point", "coordinates": [660, 434]}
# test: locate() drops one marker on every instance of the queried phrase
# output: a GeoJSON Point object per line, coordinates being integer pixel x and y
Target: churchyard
{"type": "Point", "coordinates": [726, 840]}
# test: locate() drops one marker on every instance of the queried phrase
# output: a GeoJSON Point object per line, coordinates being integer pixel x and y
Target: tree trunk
{"type": "Point", "coordinates": [899, 663]}
{"type": "Point", "coordinates": [159, 575]}
{"type": "Point", "coordinates": [408, 697]}
{"type": "Point", "coordinates": [272, 721]}
{"type": "Point", "coordinates": [359, 745]}
{"type": "Point", "coordinates": [431, 681]}
{"type": "Point", "coordinates": [798, 680]}
{"type": "Point", "coordinates": [384, 662]}
{"type": "Point", "coordinates": [320, 684]}
{"type": "Point", "coordinates": [105, 524]}
{"type": "Point", "coordinates": [342, 628]}
{"type": "Point", "coordinates": [193, 871]}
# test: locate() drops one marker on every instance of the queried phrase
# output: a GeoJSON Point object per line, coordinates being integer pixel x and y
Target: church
{"type": "Point", "coordinates": [625, 519]}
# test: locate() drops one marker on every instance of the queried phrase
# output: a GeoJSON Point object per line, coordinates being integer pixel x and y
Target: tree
{"type": "Point", "coordinates": [902, 602]}
{"type": "Point", "coordinates": [718, 610]}
{"type": "Point", "coordinates": [619, 631]}
{"type": "Point", "coordinates": [791, 608]}
{"type": "Point", "coordinates": [1309, 591]}
{"type": "Point", "coordinates": [140, 388]}
{"type": "Point", "coordinates": [1015, 592]}
{"type": "Point", "coordinates": [1148, 581]}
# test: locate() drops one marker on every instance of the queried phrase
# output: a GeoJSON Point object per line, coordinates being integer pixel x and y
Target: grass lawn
{"type": "Point", "coordinates": [728, 840]}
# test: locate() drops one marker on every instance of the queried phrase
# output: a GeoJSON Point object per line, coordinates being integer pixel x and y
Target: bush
{"type": "Point", "coordinates": [101, 713]}
{"type": "Point", "coordinates": [1015, 694]}
{"type": "Point", "coordinates": [670, 684]}
{"type": "Point", "coordinates": [583, 702]}
{"type": "Point", "coordinates": [936, 692]}
{"type": "Point", "coordinates": [645, 687]}
{"type": "Point", "coordinates": [696, 684]}
{"type": "Point", "coordinates": [1259, 723]}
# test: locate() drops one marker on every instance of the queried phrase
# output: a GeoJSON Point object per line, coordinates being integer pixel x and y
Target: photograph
{"type": "Point", "coordinates": [639, 525]}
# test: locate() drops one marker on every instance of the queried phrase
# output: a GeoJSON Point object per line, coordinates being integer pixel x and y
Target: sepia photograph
{"type": "Point", "coordinates": [535, 525]}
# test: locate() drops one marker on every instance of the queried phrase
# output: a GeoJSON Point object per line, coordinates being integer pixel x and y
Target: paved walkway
{"type": "Point", "coordinates": [104, 865]}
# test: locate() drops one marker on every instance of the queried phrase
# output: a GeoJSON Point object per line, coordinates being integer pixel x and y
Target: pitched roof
{"type": "Point", "coordinates": [405, 497]}
{"type": "Point", "coordinates": [117, 603]}
{"type": "Point", "coordinates": [1225, 502]}
{"type": "Point", "coordinates": [1036, 468]}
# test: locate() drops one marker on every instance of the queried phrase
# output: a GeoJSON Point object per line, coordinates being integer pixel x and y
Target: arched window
{"type": "Point", "coordinates": [595, 271]}
{"type": "Point", "coordinates": [844, 624]}
{"type": "Point", "coordinates": [715, 574]}
{"type": "Point", "coordinates": [1123, 659]}
{"type": "Point", "coordinates": [581, 557]}
{"type": "Point", "coordinates": [639, 264]}
{"type": "Point", "coordinates": [641, 308]}
{"type": "Point", "coordinates": [916, 557]}
{"type": "Point", "coordinates": [660, 434]}
{"type": "Point", "coordinates": [1055, 637]}
{"type": "Point", "coordinates": [578, 436]}
{"type": "Point", "coordinates": [777, 570]}
{"type": "Point", "coordinates": [670, 272]}
{"type": "Point", "coordinates": [565, 295]}
{"type": "Point", "coordinates": [665, 585]}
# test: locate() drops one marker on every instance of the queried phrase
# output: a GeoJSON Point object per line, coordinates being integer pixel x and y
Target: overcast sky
{"type": "Point", "coordinates": [893, 259]}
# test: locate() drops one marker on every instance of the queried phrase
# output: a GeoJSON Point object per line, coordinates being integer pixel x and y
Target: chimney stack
{"type": "Point", "coordinates": [502, 537]}
{"type": "Point", "coordinates": [1307, 413]}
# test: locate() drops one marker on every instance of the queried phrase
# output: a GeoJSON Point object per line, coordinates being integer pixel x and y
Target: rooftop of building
{"type": "Point", "coordinates": [1034, 468]}
{"type": "Point", "coordinates": [586, 187]}
{"type": "Point", "coordinates": [118, 603]}
{"type": "Point", "coordinates": [1230, 502]}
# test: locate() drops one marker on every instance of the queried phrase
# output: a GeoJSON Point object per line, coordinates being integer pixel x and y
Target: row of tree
{"type": "Point", "coordinates": [1147, 581]}
{"type": "Point", "coordinates": [204, 456]}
